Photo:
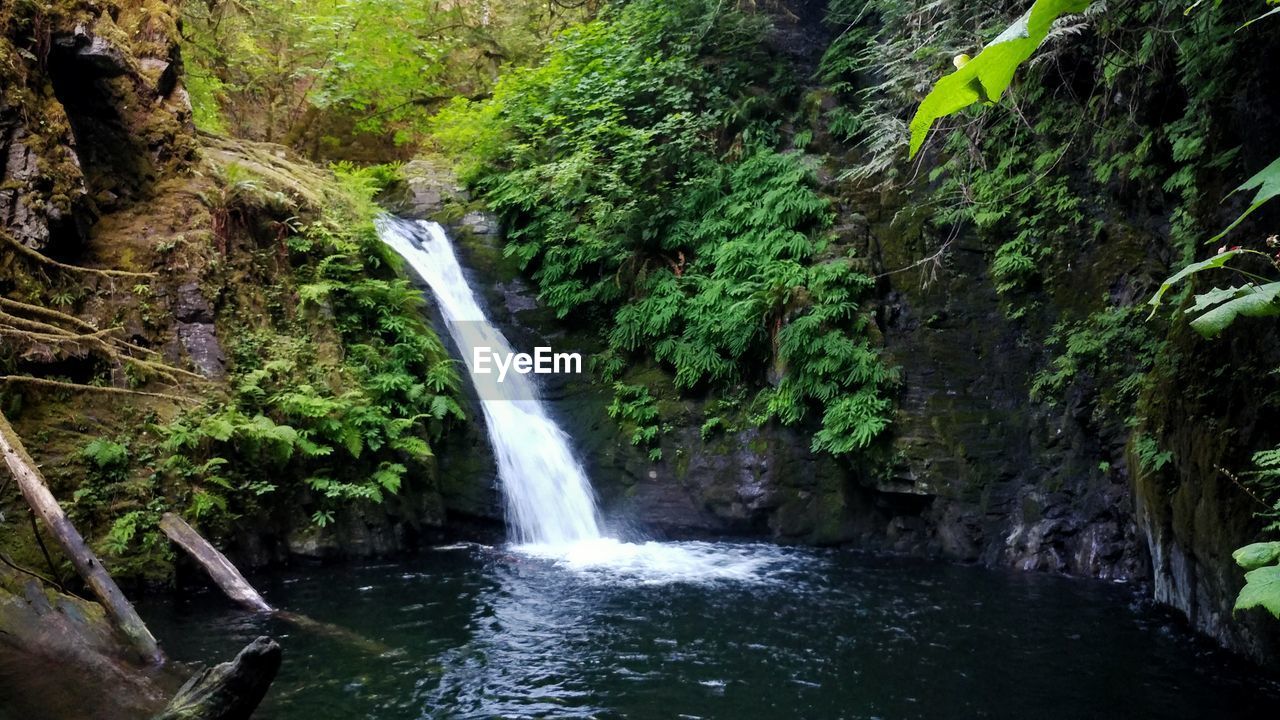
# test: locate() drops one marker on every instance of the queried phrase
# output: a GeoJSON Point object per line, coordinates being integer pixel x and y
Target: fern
{"type": "Point", "coordinates": [646, 189]}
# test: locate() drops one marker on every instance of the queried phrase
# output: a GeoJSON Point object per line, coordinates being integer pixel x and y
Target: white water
{"type": "Point", "coordinates": [548, 497]}
{"type": "Point", "coordinates": [551, 510]}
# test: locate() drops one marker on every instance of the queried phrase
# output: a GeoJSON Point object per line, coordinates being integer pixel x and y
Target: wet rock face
{"type": "Point", "coordinates": [197, 333]}
{"type": "Point", "coordinates": [998, 478]}
{"type": "Point", "coordinates": [428, 189]}
{"type": "Point", "coordinates": [1191, 513]}
{"type": "Point", "coordinates": [1010, 481]}
{"type": "Point", "coordinates": [89, 117]}
{"type": "Point", "coordinates": [42, 190]}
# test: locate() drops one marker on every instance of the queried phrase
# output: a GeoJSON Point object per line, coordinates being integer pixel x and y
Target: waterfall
{"type": "Point", "coordinates": [547, 494]}
{"type": "Point", "coordinates": [550, 507]}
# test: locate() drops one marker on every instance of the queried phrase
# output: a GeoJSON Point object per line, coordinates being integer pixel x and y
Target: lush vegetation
{"type": "Point", "coordinates": [658, 166]}
{"type": "Point", "coordinates": [648, 187]}
{"type": "Point", "coordinates": [336, 391]}
{"type": "Point", "coordinates": [338, 78]}
{"type": "Point", "coordinates": [1014, 174]}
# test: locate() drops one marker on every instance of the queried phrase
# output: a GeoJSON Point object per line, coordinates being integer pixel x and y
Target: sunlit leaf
{"type": "Point", "coordinates": [1212, 263]}
{"type": "Point", "coordinates": [1262, 589]}
{"type": "Point", "coordinates": [1267, 183]}
{"type": "Point", "coordinates": [987, 76]}
{"type": "Point", "coordinates": [1248, 301]}
{"type": "Point", "coordinates": [1252, 557]}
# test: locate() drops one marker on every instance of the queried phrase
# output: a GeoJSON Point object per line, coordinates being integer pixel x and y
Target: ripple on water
{"type": "Point", "coordinates": [652, 631]}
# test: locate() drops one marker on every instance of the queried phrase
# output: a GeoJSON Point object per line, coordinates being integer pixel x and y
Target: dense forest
{"type": "Point", "coordinates": [883, 291]}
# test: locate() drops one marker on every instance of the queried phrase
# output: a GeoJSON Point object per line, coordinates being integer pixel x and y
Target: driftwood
{"type": "Point", "coordinates": [234, 586]}
{"type": "Point", "coordinates": [221, 571]}
{"type": "Point", "coordinates": [230, 691]}
{"type": "Point", "coordinates": [37, 494]}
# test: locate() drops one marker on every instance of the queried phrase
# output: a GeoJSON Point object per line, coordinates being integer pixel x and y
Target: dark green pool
{"type": "Point", "coordinates": [483, 633]}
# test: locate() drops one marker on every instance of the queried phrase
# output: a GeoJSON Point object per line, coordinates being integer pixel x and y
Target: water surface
{"type": "Point", "coordinates": [772, 633]}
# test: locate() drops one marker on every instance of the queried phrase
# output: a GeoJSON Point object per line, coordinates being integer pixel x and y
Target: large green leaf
{"type": "Point", "coordinates": [1214, 262]}
{"type": "Point", "coordinates": [1267, 183]}
{"type": "Point", "coordinates": [1247, 301]}
{"type": "Point", "coordinates": [1267, 14]}
{"type": "Point", "coordinates": [987, 76]}
{"type": "Point", "coordinates": [1262, 589]}
{"type": "Point", "coordinates": [1252, 557]}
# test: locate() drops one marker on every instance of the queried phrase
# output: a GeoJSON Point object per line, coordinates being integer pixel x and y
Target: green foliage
{"type": "Point", "coordinates": [106, 458]}
{"type": "Point", "coordinates": [1150, 457]}
{"type": "Point", "coordinates": [317, 74]}
{"type": "Point", "coordinates": [985, 77]}
{"type": "Point", "coordinates": [1079, 128]}
{"type": "Point", "coordinates": [1220, 308]}
{"type": "Point", "coordinates": [1215, 310]}
{"type": "Point", "coordinates": [127, 503]}
{"type": "Point", "coordinates": [1018, 200]}
{"type": "Point", "coordinates": [1112, 348]}
{"type": "Point", "coordinates": [337, 386]}
{"type": "Point", "coordinates": [1219, 260]}
{"type": "Point", "coordinates": [1261, 589]}
{"type": "Point", "coordinates": [1262, 559]}
{"type": "Point", "coordinates": [638, 172]}
{"type": "Point", "coordinates": [347, 430]}
{"type": "Point", "coordinates": [1264, 482]}
{"type": "Point", "coordinates": [638, 409]}
{"type": "Point", "coordinates": [1252, 557]}
{"type": "Point", "coordinates": [204, 90]}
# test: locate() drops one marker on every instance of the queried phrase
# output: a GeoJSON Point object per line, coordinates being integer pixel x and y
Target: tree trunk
{"type": "Point", "coordinates": [230, 691]}
{"type": "Point", "coordinates": [37, 494]}
{"type": "Point", "coordinates": [221, 571]}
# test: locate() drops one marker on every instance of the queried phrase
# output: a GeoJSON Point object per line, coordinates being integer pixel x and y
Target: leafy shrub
{"type": "Point", "coordinates": [337, 387]}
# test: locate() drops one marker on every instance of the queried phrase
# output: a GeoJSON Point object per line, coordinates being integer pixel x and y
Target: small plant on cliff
{"type": "Point", "coordinates": [1112, 347]}
{"type": "Point", "coordinates": [635, 406]}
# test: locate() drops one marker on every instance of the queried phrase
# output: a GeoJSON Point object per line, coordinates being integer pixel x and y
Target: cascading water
{"type": "Point", "coordinates": [548, 496]}
{"type": "Point", "coordinates": [550, 507]}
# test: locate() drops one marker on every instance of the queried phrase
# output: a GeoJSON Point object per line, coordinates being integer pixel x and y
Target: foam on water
{"type": "Point", "coordinates": [662, 562]}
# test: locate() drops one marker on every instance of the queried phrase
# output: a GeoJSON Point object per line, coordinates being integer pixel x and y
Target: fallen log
{"type": "Point", "coordinates": [104, 588]}
{"type": "Point", "coordinates": [233, 584]}
{"type": "Point", "coordinates": [220, 570]}
{"type": "Point", "coordinates": [230, 691]}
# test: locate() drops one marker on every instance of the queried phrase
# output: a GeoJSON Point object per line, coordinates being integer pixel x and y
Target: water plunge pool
{"type": "Point", "coordinates": [774, 633]}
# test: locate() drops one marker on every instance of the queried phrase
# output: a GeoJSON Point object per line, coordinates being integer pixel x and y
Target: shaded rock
{"type": "Point", "coordinates": [428, 190]}
{"type": "Point", "coordinates": [200, 340]}
{"type": "Point", "coordinates": [1193, 516]}
{"type": "Point", "coordinates": [94, 52]}
{"type": "Point", "coordinates": [479, 223]}
{"type": "Point", "coordinates": [191, 305]}
{"type": "Point", "coordinates": [230, 691]}
{"type": "Point", "coordinates": [42, 193]}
